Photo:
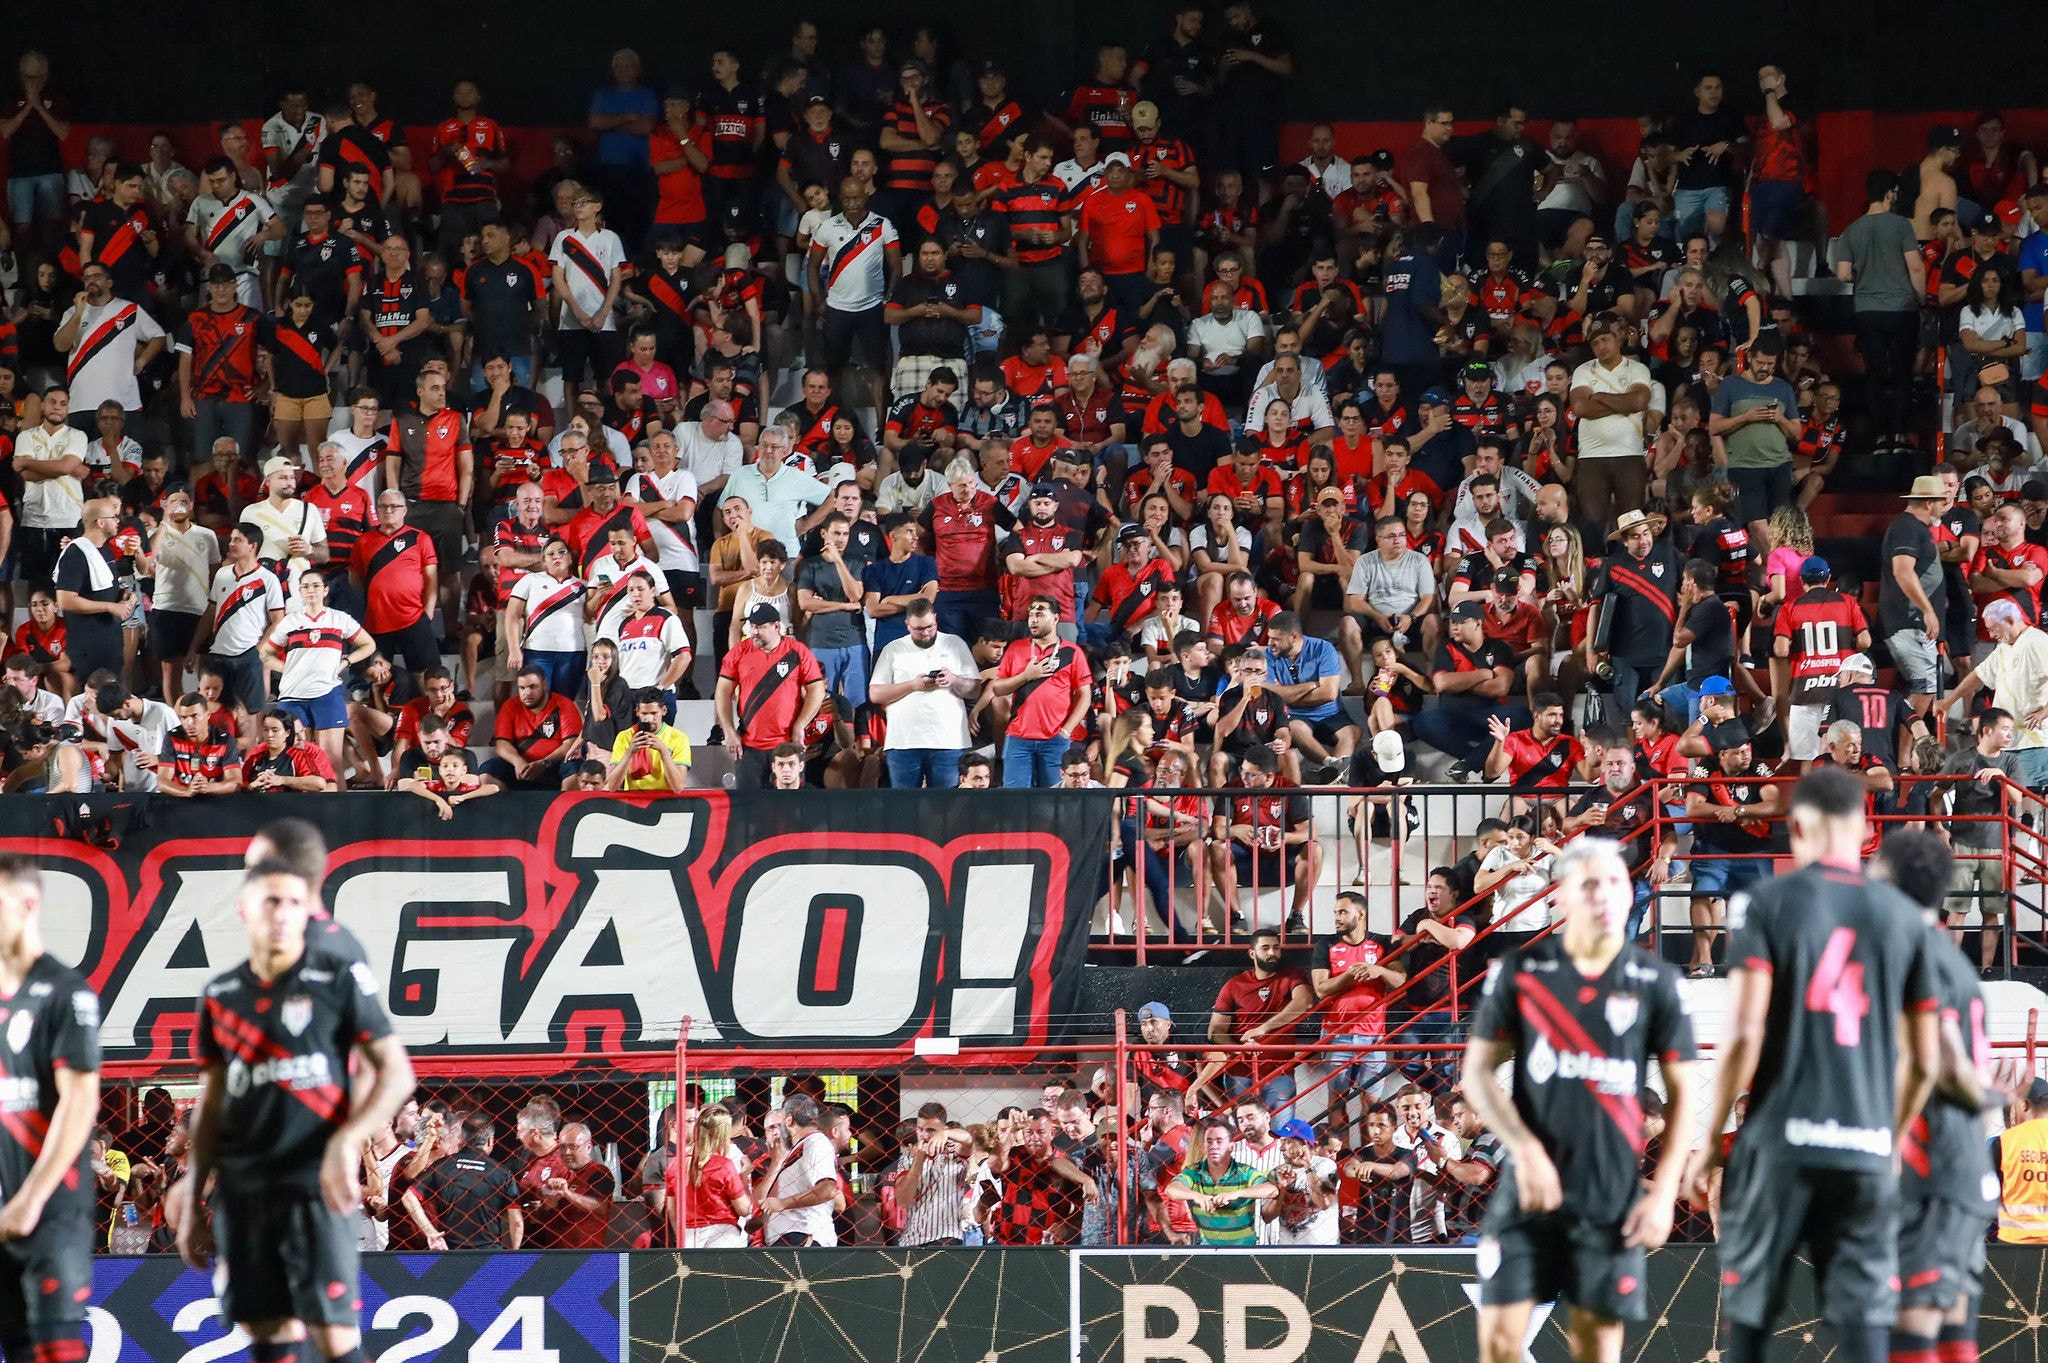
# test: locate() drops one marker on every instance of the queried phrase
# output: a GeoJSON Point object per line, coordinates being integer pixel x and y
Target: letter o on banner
{"type": "Point", "coordinates": [884, 957]}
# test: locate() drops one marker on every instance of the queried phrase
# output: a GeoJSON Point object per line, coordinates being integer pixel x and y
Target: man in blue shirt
{"type": "Point", "coordinates": [2033, 281]}
{"type": "Point", "coordinates": [1414, 290]}
{"type": "Point", "coordinates": [1307, 675]}
{"type": "Point", "coordinates": [622, 114]}
{"type": "Point", "coordinates": [890, 583]}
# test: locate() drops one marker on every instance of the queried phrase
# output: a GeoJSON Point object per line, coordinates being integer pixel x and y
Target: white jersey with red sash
{"type": "Point", "coordinates": [609, 580]}
{"type": "Point", "coordinates": [229, 230]}
{"type": "Point", "coordinates": [365, 454]}
{"type": "Point", "coordinates": [554, 612]}
{"type": "Point", "coordinates": [101, 367]}
{"type": "Point", "coordinates": [852, 260]}
{"type": "Point", "coordinates": [587, 263]}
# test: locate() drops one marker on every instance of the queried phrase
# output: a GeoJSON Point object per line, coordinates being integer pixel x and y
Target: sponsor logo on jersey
{"type": "Point", "coordinates": [1832, 1135]}
{"type": "Point", "coordinates": [23, 1094]}
{"type": "Point", "coordinates": [1605, 1073]}
{"type": "Point", "coordinates": [295, 1072]}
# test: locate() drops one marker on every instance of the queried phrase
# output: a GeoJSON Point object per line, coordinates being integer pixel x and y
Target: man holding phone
{"type": "Point", "coordinates": [653, 754]}
{"type": "Point", "coordinates": [924, 683]}
{"type": "Point", "coordinates": [1757, 414]}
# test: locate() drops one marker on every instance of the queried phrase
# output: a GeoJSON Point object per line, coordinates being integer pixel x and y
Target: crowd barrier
{"type": "Point", "coordinates": [969, 1306]}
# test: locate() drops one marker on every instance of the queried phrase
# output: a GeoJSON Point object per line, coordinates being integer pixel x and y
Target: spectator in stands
{"type": "Point", "coordinates": [534, 735]}
{"type": "Point", "coordinates": [247, 607]}
{"type": "Point", "coordinates": [930, 1180]}
{"type": "Point", "coordinates": [475, 1198]}
{"type": "Point", "coordinates": [1306, 673]}
{"type": "Point", "coordinates": [1976, 805]}
{"type": "Point", "coordinates": [1912, 593]}
{"type": "Point", "coordinates": [1732, 812]}
{"type": "Point", "coordinates": [1222, 1192]}
{"type": "Point", "coordinates": [1049, 691]}
{"type": "Point", "coordinates": [1253, 1005]}
{"type": "Point", "coordinates": [652, 754]}
{"type": "Point", "coordinates": [797, 1185]}
{"type": "Point", "coordinates": [1265, 837]}
{"type": "Point", "coordinates": [450, 783]}
{"type": "Point", "coordinates": [769, 690]}
{"type": "Point", "coordinates": [199, 756]}
{"type": "Point", "coordinates": [284, 760]}
{"type": "Point", "coordinates": [2015, 676]}
{"type": "Point", "coordinates": [1375, 1192]}
{"type": "Point", "coordinates": [95, 603]}
{"type": "Point", "coordinates": [1352, 975]}
{"type": "Point", "coordinates": [923, 683]}
{"type": "Point", "coordinates": [1474, 681]}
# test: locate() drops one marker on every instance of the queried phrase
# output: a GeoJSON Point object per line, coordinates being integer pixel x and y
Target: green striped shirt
{"type": "Point", "coordinates": [1233, 1224]}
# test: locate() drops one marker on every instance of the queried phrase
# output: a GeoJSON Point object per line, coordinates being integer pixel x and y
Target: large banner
{"type": "Point", "coordinates": [540, 926]}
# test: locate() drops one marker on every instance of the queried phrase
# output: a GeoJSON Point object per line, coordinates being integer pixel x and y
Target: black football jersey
{"type": "Point", "coordinates": [51, 1023]}
{"type": "Point", "coordinates": [285, 1048]}
{"type": "Point", "coordinates": [330, 936]}
{"type": "Point", "coordinates": [1944, 1154]}
{"type": "Point", "coordinates": [1582, 1047]}
{"type": "Point", "coordinates": [1845, 956]}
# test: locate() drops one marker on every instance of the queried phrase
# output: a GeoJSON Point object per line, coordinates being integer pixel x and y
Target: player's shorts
{"type": "Point", "coordinates": [284, 1256]}
{"type": "Point", "coordinates": [1941, 1252]}
{"type": "Point", "coordinates": [1847, 1220]}
{"type": "Point", "coordinates": [45, 1281]}
{"type": "Point", "coordinates": [1562, 1257]}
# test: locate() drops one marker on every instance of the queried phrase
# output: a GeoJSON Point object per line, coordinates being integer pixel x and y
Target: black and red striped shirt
{"type": "Point", "coordinates": [912, 170]}
{"type": "Point", "coordinates": [194, 761]}
{"type": "Point", "coordinates": [1034, 206]}
{"type": "Point", "coordinates": [735, 118]}
{"type": "Point", "coordinates": [346, 515]}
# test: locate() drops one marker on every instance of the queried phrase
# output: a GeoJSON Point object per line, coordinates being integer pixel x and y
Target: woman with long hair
{"type": "Point", "coordinates": [1552, 452]}
{"type": "Point", "coordinates": [1567, 604]}
{"type": "Point", "coordinates": [1788, 540]}
{"type": "Point", "coordinates": [1419, 516]}
{"type": "Point", "coordinates": [1991, 336]}
{"type": "Point", "coordinates": [1280, 441]}
{"type": "Point", "coordinates": [1173, 828]}
{"type": "Point", "coordinates": [1218, 547]}
{"type": "Point", "coordinates": [718, 1202]}
{"type": "Point", "coordinates": [1318, 473]}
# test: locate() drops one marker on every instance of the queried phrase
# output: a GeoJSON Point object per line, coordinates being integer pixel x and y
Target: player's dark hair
{"type": "Point", "coordinates": [1490, 826]}
{"type": "Point", "coordinates": [272, 866]}
{"type": "Point", "coordinates": [1918, 864]}
{"type": "Point", "coordinates": [20, 871]}
{"type": "Point", "coordinates": [480, 1135]}
{"type": "Point", "coordinates": [1830, 792]}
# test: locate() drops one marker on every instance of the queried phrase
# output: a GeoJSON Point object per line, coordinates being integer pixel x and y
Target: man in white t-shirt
{"type": "Point", "coordinates": [1306, 1211]}
{"type": "Point", "coordinates": [667, 497]}
{"type": "Point", "coordinates": [294, 534]}
{"type": "Point", "coordinates": [1227, 342]}
{"type": "Point", "coordinates": [924, 683]}
{"type": "Point", "coordinates": [802, 1180]}
{"type": "Point", "coordinates": [709, 452]}
{"type": "Point", "coordinates": [229, 226]}
{"type": "Point", "coordinates": [50, 460]}
{"type": "Point", "coordinates": [854, 261]}
{"type": "Point", "coordinates": [136, 729]}
{"type": "Point", "coordinates": [186, 555]}
{"type": "Point", "coordinates": [1610, 393]}
{"type": "Point", "coordinates": [107, 342]}
{"type": "Point", "coordinates": [589, 269]}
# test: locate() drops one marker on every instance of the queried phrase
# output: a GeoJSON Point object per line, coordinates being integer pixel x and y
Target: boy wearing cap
{"type": "Point", "coordinates": [1814, 633]}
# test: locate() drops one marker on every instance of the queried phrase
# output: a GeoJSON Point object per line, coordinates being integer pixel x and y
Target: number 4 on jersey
{"type": "Point", "coordinates": [1837, 988]}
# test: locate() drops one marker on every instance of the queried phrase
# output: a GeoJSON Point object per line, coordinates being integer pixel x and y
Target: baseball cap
{"type": "Point", "coordinates": [1155, 1009]}
{"type": "Point", "coordinates": [1478, 369]}
{"type": "Point", "coordinates": [1857, 662]}
{"type": "Point", "coordinates": [2008, 211]}
{"type": "Point", "coordinates": [1986, 223]}
{"type": "Point", "coordinates": [1116, 158]}
{"type": "Point", "coordinates": [1329, 496]}
{"type": "Point", "coordinates": [817, 100]}
{"type": "Point", "coordinates": [219, 274]}
{"type": "Point", "coordinates": [990, 67]}
{"type": "Point", "coordinates": [1717, 686]}
{"type": "Point", "coordinates": [278, 461]}
{"type": "Point", "coordinates": [1724, 737]}
{"type": "Point", "coordinates": [1296, 1130]}
{"type": "Point", "coordinates": [1043, 490]}
{"type": "Point", "coordinates": [2037, 1092]}
{"type": "Point", "coordinates": [1144, 114]}
{"type": "Point", "coordinates": [1389, 752]}
{"type": "Point", "coordinates": [1815, 569]}
{"type": "Point", "coordinates": [1944, 135]}
{"type": "Point", "coordinates": [1468, 610]}
{"type": "Point", "coordinates": [1435, 397]}
{"type": "Point", "coordinates": [1131, 531]}
{"type": "Point", "coordinates": [761, 613]}
{"type": "Point", "coordinates": [1383, 158]}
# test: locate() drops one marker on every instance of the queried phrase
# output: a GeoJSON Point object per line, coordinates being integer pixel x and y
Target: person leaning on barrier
{"type": "Point", "coordinates": [1973, 833]}
{"type": "Point", "coordinates": [2015, 675]}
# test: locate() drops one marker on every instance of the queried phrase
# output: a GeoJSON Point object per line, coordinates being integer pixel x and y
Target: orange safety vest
{"type": "Point", "coordinates": [2023, 1180]}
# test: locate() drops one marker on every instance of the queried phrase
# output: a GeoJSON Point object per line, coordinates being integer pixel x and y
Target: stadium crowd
{"type": "Point", "coordinates": [1119, 452]}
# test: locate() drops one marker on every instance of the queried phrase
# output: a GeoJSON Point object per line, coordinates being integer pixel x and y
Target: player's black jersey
{"type": "Point", "coordinates": [1945, 1155]}
{"type": "Point", "coordinates": [51, 1023]}
{"type": "Point", "coordinates": [1581, 1049]}
{"type": "Point", "coordinates": [285, 1047]}
{"type": "Point", "coordinates": [331, 937]}
{"type": "Point", "coordinates": [1845, 956]}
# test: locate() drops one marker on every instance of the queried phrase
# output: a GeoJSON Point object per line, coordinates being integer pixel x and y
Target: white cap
{"type": "Point", "coordinates": [1116, 158]}
{"type": "Point", "coordinates": [1857, 662]}
{"type": "Point", "coordinates": [1389, 752]}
